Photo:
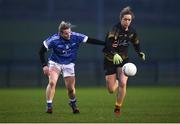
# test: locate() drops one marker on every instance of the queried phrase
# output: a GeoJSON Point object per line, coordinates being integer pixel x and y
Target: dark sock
{"type": "Point", "coordinates": [73, 102]}
{"type": "Point", "coordinates": [49, 105]}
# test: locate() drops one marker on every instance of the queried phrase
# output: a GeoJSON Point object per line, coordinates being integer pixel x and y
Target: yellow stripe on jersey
{"type": "Point", "coordinates": [136, 41]}
{"type": "Point", "coordinates": [111, 34]}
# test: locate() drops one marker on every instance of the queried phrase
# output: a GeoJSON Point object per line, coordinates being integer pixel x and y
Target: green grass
{"type": "Point", "coordinates": [142, 104]}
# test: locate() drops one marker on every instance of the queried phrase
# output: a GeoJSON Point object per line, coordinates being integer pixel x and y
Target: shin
{"type": "Point", "coordinates": [50, 90]}
{"type": "Point", "coordinates": [122, 87]}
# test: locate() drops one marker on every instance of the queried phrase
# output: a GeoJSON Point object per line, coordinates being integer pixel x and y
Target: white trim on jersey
{"type": "Point", "coordinates": [45, 44]}
{"type": "Point", "coordinates": [47, 41]}
{"type": "Point", "coordinates": [85, 39]}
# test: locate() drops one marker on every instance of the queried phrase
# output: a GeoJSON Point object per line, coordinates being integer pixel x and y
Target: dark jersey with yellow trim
{"type": "Point", "coordinates": [117, 35]}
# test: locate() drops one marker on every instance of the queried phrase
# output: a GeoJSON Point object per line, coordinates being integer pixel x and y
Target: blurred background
{"type": "Point", "coordinates": [24, 25]}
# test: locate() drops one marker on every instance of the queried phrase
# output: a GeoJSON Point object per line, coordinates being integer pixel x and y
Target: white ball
{"type": "Point", "coordinates": [129, 69]}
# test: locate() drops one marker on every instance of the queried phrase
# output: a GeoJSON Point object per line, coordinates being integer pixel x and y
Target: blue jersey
{"type": "Point", "coordinates": [64, 51]}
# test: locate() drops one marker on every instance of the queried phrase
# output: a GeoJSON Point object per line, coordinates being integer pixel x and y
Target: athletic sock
{"type": "Point", "coordinates": [49, 103]}
{"type": "Point", "coordinates": [118, 104]}
{"type": "Point", "coordinates": [73, 102]}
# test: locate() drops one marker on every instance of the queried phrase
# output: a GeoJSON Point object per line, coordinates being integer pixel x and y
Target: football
{"type": "Point", "coordinates": [129, 69]}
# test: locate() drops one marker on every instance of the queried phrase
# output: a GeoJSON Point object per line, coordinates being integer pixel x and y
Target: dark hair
{"type": "Point", "coordinates": [126, 11]}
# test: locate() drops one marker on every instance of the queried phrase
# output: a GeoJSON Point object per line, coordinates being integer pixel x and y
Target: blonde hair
{"type": "Point", "coordinates": [126, 11]}
{"type": "Point", "coordinates": [64, 25]}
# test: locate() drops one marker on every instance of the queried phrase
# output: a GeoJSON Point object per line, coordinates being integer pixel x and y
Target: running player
{"type": "Point", "coordinates": [116, 55]}
{"type": "Point", "coordinates": [64, 46]}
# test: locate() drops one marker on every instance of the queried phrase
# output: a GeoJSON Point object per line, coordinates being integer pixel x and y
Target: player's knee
{"type": "Point", "coordinates": [52, 83]}
{"type": "Point", "coordinates": [122, 84]}
{"type": "Point", "coordinates": [111, 90]}
{"type": "Point", "coordinates": [111, 86]}
{"type": "Point", "coordinates": [71, 90]}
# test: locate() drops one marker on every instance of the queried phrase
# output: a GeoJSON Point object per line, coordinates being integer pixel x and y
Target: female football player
{"type": "Point", "coordinates": [115, 55]}
{"type": "Point", "coordinates": [64, 46]}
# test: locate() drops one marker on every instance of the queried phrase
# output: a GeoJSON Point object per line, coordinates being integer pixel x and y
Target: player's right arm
{"type": "Point", "coordinates": [47, 44]}
{"type": "Point", "coordinates": [42, 52]}
{"type": "Point", "coordinates": [111, 44]}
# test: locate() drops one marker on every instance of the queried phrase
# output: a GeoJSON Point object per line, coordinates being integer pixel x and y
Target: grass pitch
{"type": "Point", "coordinates": [142, 104]}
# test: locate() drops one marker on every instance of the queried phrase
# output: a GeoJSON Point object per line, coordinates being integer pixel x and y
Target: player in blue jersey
{"type": "Point", "coordinates": [64, 46]}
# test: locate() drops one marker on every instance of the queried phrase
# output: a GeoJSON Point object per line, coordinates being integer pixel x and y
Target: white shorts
{"type": "Point", "coordinates": [65, 69]}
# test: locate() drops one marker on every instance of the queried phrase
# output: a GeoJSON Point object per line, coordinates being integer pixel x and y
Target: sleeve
{"type": "Point", "coordinates": [48, 43]}
{"type": "Point", "coordinates": [112, 34]}
{"type": "Point", "coordinates": [136, 43]}
{"type": "Point", "coordinates": [42, 52]}
{"type": "Point", "coordinates": [111, 38]}
{"type": "Point", "coordinates": [80, 37]}
{"type": "Point", "coordinates": [95, 41]}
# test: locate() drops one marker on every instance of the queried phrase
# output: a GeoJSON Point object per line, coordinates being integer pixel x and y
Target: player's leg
{"type": "Point", "coordinates": [69, 77]}
{"type": "Point", "coordinates": [111, 83]}
{"type": "Point", "coordinates": [110, 72]}
{"type": "Point", "coordinates": [70, 85]}
{"type": "Point", "coordinates": [121, 92]}
{"type": "Point", "coordinates": [50, 90]}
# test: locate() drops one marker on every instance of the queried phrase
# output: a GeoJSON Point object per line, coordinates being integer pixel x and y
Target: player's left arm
{"type": "Point", "coordinates": [86, 39]}
{"type": "Point", "coordinates": [95, 41]}
{"type": "Point", "coordinates": [136, 44]}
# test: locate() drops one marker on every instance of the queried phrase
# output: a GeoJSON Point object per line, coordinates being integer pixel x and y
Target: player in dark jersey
{"type": "Point", "coordinates": [64, 46]}
{"type": "Point", "coordinates": [116, 55]}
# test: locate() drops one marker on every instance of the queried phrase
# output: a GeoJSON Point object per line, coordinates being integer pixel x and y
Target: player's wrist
{"type": "Point", "coordinates": [117, 59]}
{"type": "Point", "coordinates": [142, 55]}
{"type": "Point", "coordinates": [114, 53]}
{"type": "Point", "coordinates": [44, 64]}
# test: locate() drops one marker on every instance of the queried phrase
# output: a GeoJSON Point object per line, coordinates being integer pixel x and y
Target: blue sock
{"type": "Point", "coordinates": [73, 102]}
{"type": "Point", "coordinates": [49, 105]}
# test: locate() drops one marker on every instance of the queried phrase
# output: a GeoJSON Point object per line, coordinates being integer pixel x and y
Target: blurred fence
{"type": "Point", "coordinates": [88, 73]}
{"type": "Point", "coordinates": [25, 24]}
{"type": "Point", "coordinates": [161, 12]}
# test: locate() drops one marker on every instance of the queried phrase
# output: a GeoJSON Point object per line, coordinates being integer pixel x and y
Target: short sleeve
{"type": "Point", "coordinates": [48, 43]}
{"type": "Point", "coordinates": [80, 37]}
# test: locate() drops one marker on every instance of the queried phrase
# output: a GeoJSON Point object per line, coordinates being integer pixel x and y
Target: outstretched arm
{"type": "Point", "coordinates": [95, 41]}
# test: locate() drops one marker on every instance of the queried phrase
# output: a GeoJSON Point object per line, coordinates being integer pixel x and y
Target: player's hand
{"type": "Point", "coordinates": [46, 70]}
{"type": "Point", "coordinates": [117, 59]}
{"type": "Point", "coordinates": [142, 55]}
